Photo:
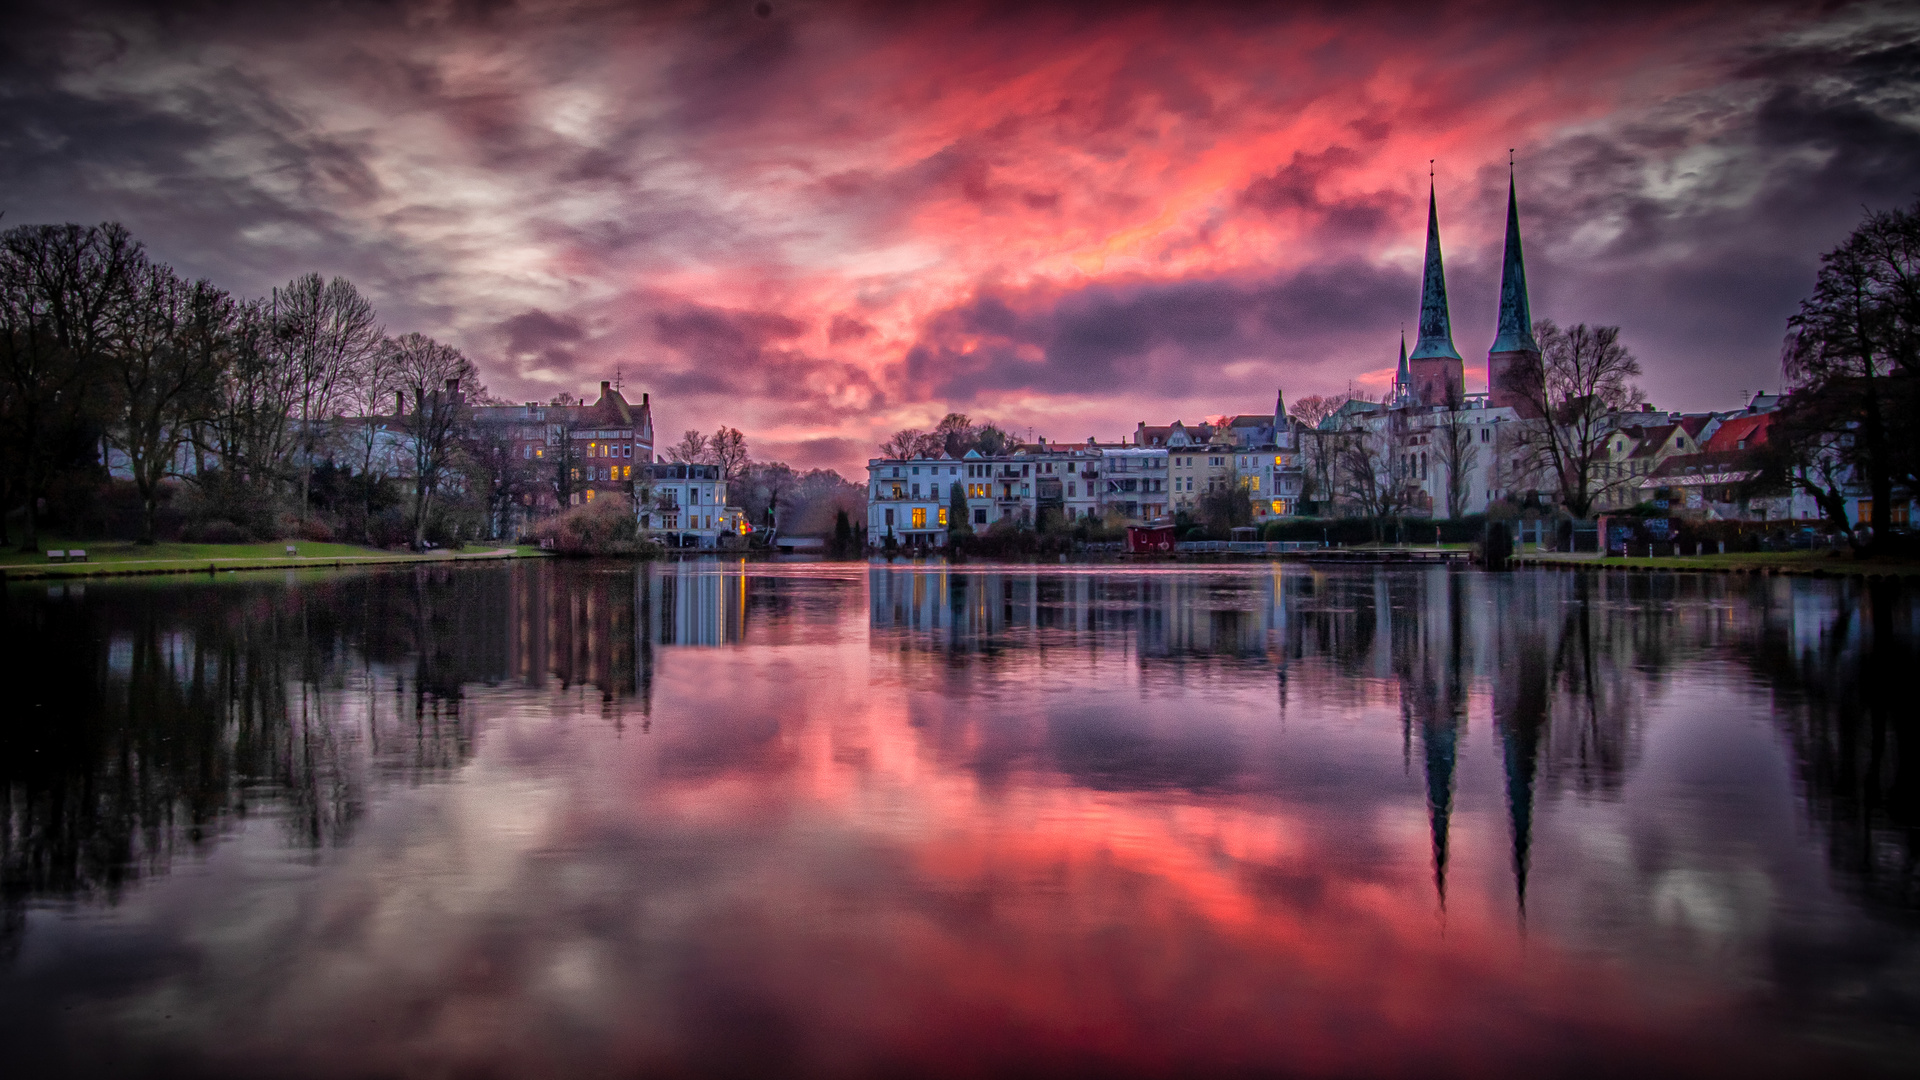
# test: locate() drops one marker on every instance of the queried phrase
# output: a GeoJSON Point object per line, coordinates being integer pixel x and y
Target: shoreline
{"type": "Point", "coordinates": [138, 568]}
{"type": "Point", "coordinates": [1760, 565]}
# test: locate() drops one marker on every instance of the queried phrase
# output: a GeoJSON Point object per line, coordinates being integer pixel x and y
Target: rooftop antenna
{"type": "Point", "coordinates": [616, 378]}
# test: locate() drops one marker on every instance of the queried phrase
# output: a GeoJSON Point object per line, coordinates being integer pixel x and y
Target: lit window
{"type": "Point", "coordinates": [919, 517]}
{"type": "Point", "coordinates": [589, 494]}
{"type": "Point", "coordinates": [943, 517]}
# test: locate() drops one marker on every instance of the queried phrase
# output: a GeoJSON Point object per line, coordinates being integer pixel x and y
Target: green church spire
{"type": "Point", "coordinates": [1515, 332]}
{"type": "Point", "coordinates": [1436, 326]}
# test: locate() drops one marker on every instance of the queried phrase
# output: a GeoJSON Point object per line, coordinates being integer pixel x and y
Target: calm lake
{"type": "Point", "coordinates": [717, 818]}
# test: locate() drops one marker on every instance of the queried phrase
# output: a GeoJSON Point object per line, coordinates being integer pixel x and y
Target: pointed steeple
{"type": "Point", "coordinates": [1436, 326]}
{"type": "Point", "coordinates": [1402, 377]}
{"type": "Point", "coordinates": [1515, 332]}
{"type": "Point", "coordinates": [1279, 408]}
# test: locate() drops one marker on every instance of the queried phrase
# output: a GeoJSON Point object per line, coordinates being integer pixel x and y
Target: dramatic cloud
{"type": "Point", "coordinates": [823, 221]}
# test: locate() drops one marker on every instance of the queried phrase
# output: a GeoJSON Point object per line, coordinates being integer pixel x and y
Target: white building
{"type": "Point", "coordinates": [686, 504]}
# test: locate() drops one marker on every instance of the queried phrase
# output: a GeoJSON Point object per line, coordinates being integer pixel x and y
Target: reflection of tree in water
{"type": "Point", "coordinates": [1842, 672]}
{"type": "Point", "coordinates": [151, 717]}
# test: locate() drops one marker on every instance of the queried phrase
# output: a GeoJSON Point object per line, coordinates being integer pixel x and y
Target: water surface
{"type": "Point", "coordinates": [713, 818]}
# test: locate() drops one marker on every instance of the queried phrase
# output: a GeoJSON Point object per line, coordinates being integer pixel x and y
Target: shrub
{"type": "Point", "coordinates": [605, 527]}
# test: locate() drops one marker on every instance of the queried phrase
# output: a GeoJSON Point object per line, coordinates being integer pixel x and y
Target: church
{"type": "Point", "coordinates": [1432, 448]}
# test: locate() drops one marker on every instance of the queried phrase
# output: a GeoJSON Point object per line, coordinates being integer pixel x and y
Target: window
{"type": "Point", "coordinates": [589, 494]}
{"type": "Point", "coordinates": [919, 517]}
{"type": "Point", "coordinates": [980, 516]}
{"type": "Point", "coordinates": [1072, 489]}
{"type": "Point", "coordinates": [916, 488]}
{"type": "Point", "coordinates": [889, 517]}
{"type": "Point", "coordinates": [1484, 434]}
{"type": "Point", "coordinates": [943, 517]}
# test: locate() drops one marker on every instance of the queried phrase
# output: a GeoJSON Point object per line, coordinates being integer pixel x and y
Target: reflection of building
{"type": "Point", "coordinates": [695, 603]}
{"type": "Point", "coordinates": [1161, 615]}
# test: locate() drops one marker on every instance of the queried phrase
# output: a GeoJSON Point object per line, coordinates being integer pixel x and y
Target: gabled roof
{"type": "Point", "coordinates": [1653, 438]}
{"type": "Point", "coordinates": [1691, 470]}
{"type": "Point", "coordinates": [1749, 429]}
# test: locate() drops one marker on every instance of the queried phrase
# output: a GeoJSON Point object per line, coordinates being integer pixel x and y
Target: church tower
{"type": "Point", "coordinates": [1435, 365]}
{"type": "Point", "coordinates": [1514, 349]}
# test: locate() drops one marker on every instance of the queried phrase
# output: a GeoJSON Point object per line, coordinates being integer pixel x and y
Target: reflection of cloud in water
{"type": "Point", "coordinates": [1190, 819]}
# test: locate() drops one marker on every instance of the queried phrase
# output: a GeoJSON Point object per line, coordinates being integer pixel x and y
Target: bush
{"type": "Point", "coordinates": [605, 527]}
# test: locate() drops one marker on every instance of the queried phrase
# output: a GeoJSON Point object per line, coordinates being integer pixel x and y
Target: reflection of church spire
{"type": "Point", "coordinates": [1520, 698]}
{"type": "Point", "coordinates": [1440, 736]}
{"type": "Point", "coordinates": [1520, 743]}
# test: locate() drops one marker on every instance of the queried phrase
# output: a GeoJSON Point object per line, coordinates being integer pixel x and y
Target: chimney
{"type": "Point", "coordinates": [399, 403]}
{"type": "Point", "coordinates": [643, 399]}
{"type": "Point", "coordinates": [453, 387]}
{"type": "Point", "coordinates": [605, 385]}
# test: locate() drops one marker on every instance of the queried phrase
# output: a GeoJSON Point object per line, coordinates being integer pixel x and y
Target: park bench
{"type": "Point", "coordinates": [292, 550]}
{"type": "Point", "coordinates": [76, 555]}
{"type": "Point", "coordinates": [56, 556]}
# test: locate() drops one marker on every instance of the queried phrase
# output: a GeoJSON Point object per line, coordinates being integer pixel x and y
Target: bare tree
{"type": "Point", "coordinates": [1583, 381]}
{"type": "Point", "coordinates": [905, 443]}
{"type": "Point", "coordinates": [727, 448]}
{"type": "Point", "coordinates": [62, 288]}
{"type": "Point", "coordinates": [1313, 408]}
{"type": "Point", "coordinates": [1853, 353]}
{"type": "Point", "coordinates": [248, 432]}
{"type": "Point", "coordinates": [431, 374]}
{"type": "Point", "coordinates": [692, 449]}
{"type": "Point", "coordinates": [1453, 442]}
{"type": "Point", "coordinates": [1369, 473]}
{"type": "Point", "coordinates": [325, 331]}
{"type": "Point", "coordinates": [164, 367]}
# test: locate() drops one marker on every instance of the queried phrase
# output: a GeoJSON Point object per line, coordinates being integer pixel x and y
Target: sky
{"type": "Point", "coordinates": [822, 222]}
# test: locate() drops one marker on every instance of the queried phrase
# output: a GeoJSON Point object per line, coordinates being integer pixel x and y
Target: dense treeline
{"type": "Point", "coordinates": [108, 358]}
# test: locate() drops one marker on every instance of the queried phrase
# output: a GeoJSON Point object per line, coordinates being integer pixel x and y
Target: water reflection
{"type": "Point", "coordinates": [1101, 820]}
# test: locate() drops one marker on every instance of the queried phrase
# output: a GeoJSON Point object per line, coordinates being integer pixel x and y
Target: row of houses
{"type": "Point", "coordinates": [1428, 448]}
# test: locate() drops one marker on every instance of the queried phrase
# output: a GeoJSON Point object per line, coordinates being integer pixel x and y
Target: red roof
{"type": "Point", "coordinates": [1751, 429]}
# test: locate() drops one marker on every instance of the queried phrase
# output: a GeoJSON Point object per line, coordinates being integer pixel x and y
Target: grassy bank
{"type": "Point", "coordinates": [1815, 563]}
{"type": "Point", "coordinates": [110, 558]}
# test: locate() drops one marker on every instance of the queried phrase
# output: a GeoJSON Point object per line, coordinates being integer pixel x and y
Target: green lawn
{"type": "Point", "coordinates": [119, 556]}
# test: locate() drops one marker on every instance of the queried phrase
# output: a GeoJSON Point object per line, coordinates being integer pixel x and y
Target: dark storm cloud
{"type": "Point", "coordinates": [1173, 190]}
{"type": "Point", "coordinates": [1773, 168]}
{"type": "Point", "coordinates": [1164, 339]}
{"type": "Point", "coordinates": [1295, 188]}
{"type": "Point", "coordinates": [733, 356]}
{"type": "Point", "coordinates": [534, 335]}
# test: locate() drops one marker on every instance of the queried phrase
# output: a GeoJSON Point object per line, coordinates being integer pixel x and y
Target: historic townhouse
{"type": "Point", "coordinates": [598, 444]}
{"type": "Point", "coordinates": [686, 504]}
